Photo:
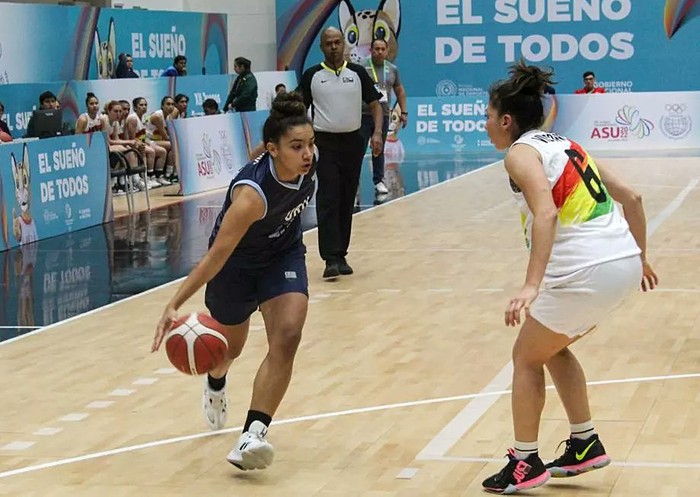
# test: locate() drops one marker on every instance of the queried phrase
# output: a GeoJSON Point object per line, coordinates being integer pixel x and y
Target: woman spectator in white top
{"type": "Point", "coordinates": [157, 132]}
{"type": "Point", "coordinates": [117, 144]}
{"type": "Point", "coordinates": [91, 121]}
{"type": "Point", "coordinates": [135, 129]}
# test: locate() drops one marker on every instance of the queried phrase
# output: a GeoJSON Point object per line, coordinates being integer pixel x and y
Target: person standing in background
{"type": "Point", "coordinates": [334, 91]}
{"type": "Point", "coordinates": [244, 92]}
{"type": "Point", "coordinates": [386, 81]}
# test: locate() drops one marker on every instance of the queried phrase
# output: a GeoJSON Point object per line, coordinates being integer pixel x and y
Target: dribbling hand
{"type": "Point", "coordinates": [522, 301]}
{"type": "Point", "coordinates": [166, 320]}
{"type": "Point", "coordinates": [649, 278]}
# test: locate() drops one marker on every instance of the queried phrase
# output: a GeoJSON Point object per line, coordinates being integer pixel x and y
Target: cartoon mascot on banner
{"type": "Point", "coordinates": [24, 230]}
{"type": "Point", "coordinates": [361, 27]}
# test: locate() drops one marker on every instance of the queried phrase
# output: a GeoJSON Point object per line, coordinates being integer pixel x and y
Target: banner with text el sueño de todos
{"type": "Point", "coordinates": [457, 47]}
{"type": "Point", "coordinates": [53, 186]}
{"type": "Point", "coordinates": [53, 43]}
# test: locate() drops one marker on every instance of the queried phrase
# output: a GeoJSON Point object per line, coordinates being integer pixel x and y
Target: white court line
{"type": "Point", "coordinates": [174, 282]}
{"type": "Point", "coordinates": [407, 473]}
{"type": "Point", "coordinates": [122, 392]}
{"type": "Point", "coordinates": [473, 411]}
{"type": "Point", "coordinates": [313, 417]}
{"type": "Point", "coordinates": [626, 464]}
{"type": "Point", "coordinates": [467, 417]}
{"type": "Point", "coordinates": [671, 208]}
{"type": "Point", "coordinates": [677, 290]}
{"type": "Point", "coordinates": [47, 432]}
{"type": "Point", "coordinates": [19, 445]}
{"type": "Point", "coordinates": [19, 327]}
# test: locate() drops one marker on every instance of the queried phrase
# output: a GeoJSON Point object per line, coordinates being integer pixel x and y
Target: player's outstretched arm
{"type": "Point", "coordinates": [246, 208]}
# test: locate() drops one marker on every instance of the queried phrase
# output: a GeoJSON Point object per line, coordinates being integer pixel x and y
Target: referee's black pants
{"type": "Point", "coordinates": [339, 165]}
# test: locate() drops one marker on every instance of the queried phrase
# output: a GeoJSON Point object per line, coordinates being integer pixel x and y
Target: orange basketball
{"type": "Point", "coordinates": [196, 343]}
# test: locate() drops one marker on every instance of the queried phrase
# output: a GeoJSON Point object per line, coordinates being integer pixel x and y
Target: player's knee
{"type": "Point", "coordinates": [524, 358]}
{"type": "Point", "coordinates": [285, 341]}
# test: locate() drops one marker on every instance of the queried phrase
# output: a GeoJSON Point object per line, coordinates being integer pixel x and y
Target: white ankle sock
{"type": "Point", "coordinates": [524, 449]}
{"type": "Point", "coordinates": [582, 431]}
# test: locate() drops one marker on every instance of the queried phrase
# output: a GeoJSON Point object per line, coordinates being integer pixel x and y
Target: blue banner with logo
{"type": "Point", "coordinates": [458, 47]}
{"type": "Point", "coordinates": [85, 42]}
{"type": "Point", "coordinates": [442, 125]}
{"type": "Point", "coordinates": [53, 186]}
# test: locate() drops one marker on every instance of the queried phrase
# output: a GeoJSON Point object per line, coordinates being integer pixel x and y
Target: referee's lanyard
{"type": "Point", "coordinates": [380, 86]}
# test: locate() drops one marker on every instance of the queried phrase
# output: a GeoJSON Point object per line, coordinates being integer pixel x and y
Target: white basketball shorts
{"type": "Point", "coordinates": [574, 303]}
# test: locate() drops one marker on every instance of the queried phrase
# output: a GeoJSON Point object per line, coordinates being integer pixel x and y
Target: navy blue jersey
{"type": "Point", "coordinates": [278, 232]}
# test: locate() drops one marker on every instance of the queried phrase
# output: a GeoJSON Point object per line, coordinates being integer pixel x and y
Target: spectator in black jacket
{"type": "Point", "coordinates": [244, 92]}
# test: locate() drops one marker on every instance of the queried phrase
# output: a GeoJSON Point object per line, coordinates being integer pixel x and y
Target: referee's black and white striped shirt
{"type": "Point", "coordinates": [335, 97]}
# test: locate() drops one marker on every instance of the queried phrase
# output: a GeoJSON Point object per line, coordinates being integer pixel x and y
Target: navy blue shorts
{"type": "Point", "coordinates": [235, 292]}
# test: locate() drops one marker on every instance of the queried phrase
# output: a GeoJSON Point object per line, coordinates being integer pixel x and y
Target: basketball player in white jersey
{"type": "Point", "coordinates": [91, 121]}
{"type": "Point", "coordinates": [585, 257]}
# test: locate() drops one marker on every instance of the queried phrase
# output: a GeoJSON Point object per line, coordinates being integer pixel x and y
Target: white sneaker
{"type": "Point", "coordinates": [252, 450]}
{"type": "Point", "coordinates": [215, 406]}
{"type": "Point", "coordinates": [153, 184]}
{"type": "Point", "coordinates": [163, 181]}
{"type": "Point", "coordinates": [381, 188]}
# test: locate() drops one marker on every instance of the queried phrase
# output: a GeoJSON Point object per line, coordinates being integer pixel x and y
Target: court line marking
{"type": "Point", "coordinates": [473, 411]}
{"type": "Point", "coordinates": [670, 208]}
{"type": "Point", "coordinates": [314, 417]}
{"type": "Point", "coordinates": [20, 327]}
{"type": "Point", "coordinates": [626, 464]}
{"type": "Point", "coordinates": [174, 282]}
{"type": "Point", "coordinates": [467, 417]}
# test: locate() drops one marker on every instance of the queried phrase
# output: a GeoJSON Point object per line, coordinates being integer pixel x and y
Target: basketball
{"type": "Point", "coordinates": [196, 343]}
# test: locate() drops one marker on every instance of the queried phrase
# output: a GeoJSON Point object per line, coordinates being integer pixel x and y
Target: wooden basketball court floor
{"type": "Point", "coordinates": [401, 382]}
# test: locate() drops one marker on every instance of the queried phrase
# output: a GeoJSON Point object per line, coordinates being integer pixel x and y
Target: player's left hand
{"type": "Point", "coordinates": [649, 278]}
{"type": "Point", "coordinates": [404, 120]}
{"type": "Point", "coordinates": [522, 301]}
{"type": "Point", "coordinates": [167, 319]}
{"type": "Point", "coordinates": [377, 144]}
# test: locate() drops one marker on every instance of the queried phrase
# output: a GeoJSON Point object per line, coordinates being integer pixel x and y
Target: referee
{"type": "Point", "coordinates": [334, 91]}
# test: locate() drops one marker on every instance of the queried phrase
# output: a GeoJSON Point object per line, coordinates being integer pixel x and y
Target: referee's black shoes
{"type": "Point", "coordinates": [332, 270]}
{"type": "Point", "coordinates": [335, 269]}
{"type": "Point", "coordinates": [344, 267]}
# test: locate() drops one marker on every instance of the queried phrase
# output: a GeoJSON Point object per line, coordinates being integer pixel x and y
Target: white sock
{"type": "Point", "coordinates": [582, 431]}
{"type": "Point", "coordinates": [524, 449]}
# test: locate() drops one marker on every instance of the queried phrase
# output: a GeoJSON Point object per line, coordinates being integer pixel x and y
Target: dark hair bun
{"type": "Point", "coordinates": [286, 105]}
{"type": "Point", "coordinates": [91, 95]}
{"type": "Point", "coordinates": [530, 79]}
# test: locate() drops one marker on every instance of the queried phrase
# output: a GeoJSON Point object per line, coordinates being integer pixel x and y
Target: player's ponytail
{"type": "Point", "coordinates": [288, 110]}
{"type": "Point", "coordinates": [521, 96]}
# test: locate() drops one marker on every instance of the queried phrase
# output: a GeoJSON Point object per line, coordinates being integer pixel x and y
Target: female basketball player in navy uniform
{"type": "Point", "coordinates": [256, 258]}
{"type": "Point", "coordinates": [585, 257]}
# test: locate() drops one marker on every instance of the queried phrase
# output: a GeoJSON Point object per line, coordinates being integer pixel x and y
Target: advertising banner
{"type": "Point", "coordinates": [443, 125]}
{"type": "Point", "coordinates": [631, 122]}
{"type": "Point", "coordinates": [53, 186]}
{"type": "Point", "coordinates": [85, 42]}
{"type": "Point", "coordinates": [209, 151]}
{"type": "Point", "coordinates": [458, 47]}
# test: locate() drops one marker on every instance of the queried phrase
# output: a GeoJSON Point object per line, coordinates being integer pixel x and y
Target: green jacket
{"type": "Point", "coordinates": [243, 94]}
